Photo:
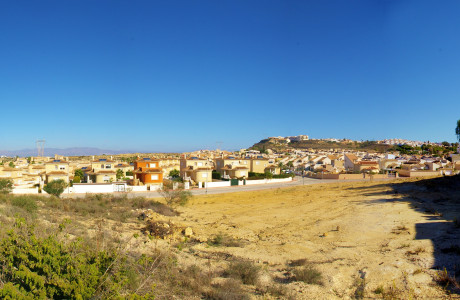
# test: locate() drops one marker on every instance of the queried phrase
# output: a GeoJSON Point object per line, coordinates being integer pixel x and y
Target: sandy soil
{"type": "Point", "coordinates": [366, 239]}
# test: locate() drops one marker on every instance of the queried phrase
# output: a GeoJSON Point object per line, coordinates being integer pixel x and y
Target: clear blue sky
{"type": "Point", "coordinates": [181, 75]}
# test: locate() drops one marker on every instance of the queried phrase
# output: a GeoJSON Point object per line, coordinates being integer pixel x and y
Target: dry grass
{"type": "Point", "coordinates": [246, 271]}
{"type": "Point", "coordinates": [308, 274]}
{"type": "Point", "coordinates": [224, 240]}
{"type": "Point", "coordinates": [445, 279]}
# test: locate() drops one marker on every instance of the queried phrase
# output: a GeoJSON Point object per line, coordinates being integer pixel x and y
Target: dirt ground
{"type": "Point", "coordinates": [369, 240]}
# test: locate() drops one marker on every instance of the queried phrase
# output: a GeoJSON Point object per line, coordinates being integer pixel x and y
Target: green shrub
{"type": "Point", "coordinates": [174, 174]}
{"type": "Point", "coordinates": [216, 175]}
{"type": "Point", "coordinates": [27, 203]}
{"type": "Point", "coordinates": [6, 186]}
{"type": "Point", "coordinates": [283, 175]}
{"type": "Point", "coordinates": [55, 187]}
{"type": "Point", "coordinates": [268, 175]}
{"type": "Point", "coordinates": [46, 268]}
{"type": "Point", "coordinates": [76, 179]}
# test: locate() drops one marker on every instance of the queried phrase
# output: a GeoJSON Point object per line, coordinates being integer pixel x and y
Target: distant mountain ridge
{"type": "Point", "coordinates": [75, 151]}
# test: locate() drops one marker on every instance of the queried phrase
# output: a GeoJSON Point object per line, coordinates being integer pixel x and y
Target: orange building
{"type": "Point", "coordinates": [148, 171]}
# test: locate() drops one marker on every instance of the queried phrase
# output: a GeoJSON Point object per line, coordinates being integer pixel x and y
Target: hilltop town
{"type": "Point", "coordinates": [271, 160]}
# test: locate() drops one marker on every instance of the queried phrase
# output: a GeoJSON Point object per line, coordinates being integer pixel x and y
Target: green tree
{"type": "Point", "coordinates": [457, 130]}
{"type": "Point", "coordinates": [174, 193]}
{"type": "Point", "coordinates": [11, 164]}
{"type": "Point", "coordinates": [76, 179]}
{"type": "Point", "coordinates": [268, 175]}
{"type": "Point", "coordinates": [6, 186]}
{"type": "Point", "coordinates": [280, 165]}
{"type": "Point", "coordinates": [79, 173]}
{"type": "Point", "coordinates": [55, 187]}
{"type": "Point", "coordinates": [174, 174]}
{"type": "Point", "coordinates": [120, 174]}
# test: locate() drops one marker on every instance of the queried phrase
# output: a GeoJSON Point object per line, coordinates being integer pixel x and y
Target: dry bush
{"type": "Point", "coordinates": [277, 290]}
{"type": "Point", "coordinates": [158, 229]}
{"type": "Point", "coordinates": [229, 290]}
{"type": "Point", "coordinates": [392, 293]}
{"type": "Point", "coordinates": [114, 207]}
{"type": "Point", "coordinates": [308, 274]}
{"type": "Point", "coordinates": [195, 279]}
{"type": "Point", "coordinates": [246, 271]}
{"type": "Point", "coordinates": [360, 289]}
{"type": "Point", "coordinates": [224, 240]}
{"type": "Point", "coordinates": [298, 262]}
{"type": "Point", "coordinates": [444, 278]}
{"type": "Point", "coordinates": [160, 208]}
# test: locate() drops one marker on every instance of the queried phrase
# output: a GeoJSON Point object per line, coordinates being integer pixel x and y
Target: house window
{"type": "Point", "coordinates": [106, 178]}
{"type": "Point", "coordinates": [204, 175]}
{"type": "Point", "coordinates": [108, 166]}
{"type": "Point", "coordinates": [154, 176]}
{"type": "Point", "coordinates": [152, 165]}
{"type": "Point", "coordinates": [257, 162]}
{"type": "Point", "coordinates": [200, 164]}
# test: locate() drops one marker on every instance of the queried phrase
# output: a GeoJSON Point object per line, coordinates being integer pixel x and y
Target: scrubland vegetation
{"type": "Point", "coordinates": [102, 246]}
{"type": "Point", "coordinates": [384, 240]}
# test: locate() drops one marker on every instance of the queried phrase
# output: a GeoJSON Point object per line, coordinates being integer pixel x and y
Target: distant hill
{"type": "Point", "coordinates": [321, 145]}
{"type": "Point", "coordinates": [76, 151]}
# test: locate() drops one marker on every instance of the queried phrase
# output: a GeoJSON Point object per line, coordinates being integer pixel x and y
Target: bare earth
{"type": "Point", "coordinates": [367, 239]}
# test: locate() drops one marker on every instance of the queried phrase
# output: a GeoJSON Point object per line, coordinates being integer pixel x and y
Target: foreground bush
{"type": "Point", "coordinates": [39, 268]}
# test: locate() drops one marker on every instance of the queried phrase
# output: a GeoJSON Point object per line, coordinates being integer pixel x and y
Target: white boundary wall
{"type": "Point", "coordinates": [264, 181]}
{"type": "Point", "coordinates": [137, 188]}
{"type": "Point", "coordinates": [92, 188]}
{"type": "Point", "coordinates": [217, 184]}
{"type": "Point", "coordinates": [23, 191]}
